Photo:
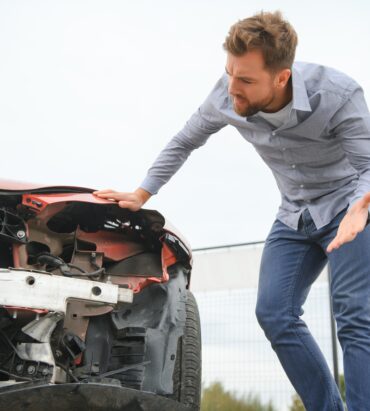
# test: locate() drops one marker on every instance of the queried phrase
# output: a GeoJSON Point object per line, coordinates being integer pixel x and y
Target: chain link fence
{"type": "Point", "coordinates": [236, 352]}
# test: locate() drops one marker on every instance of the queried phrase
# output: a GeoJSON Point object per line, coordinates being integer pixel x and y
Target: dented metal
{"type": "Point", "coordinates": [90, 293]}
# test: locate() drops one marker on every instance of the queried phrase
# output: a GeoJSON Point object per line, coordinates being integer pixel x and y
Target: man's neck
{"type": "Point", "coordinates": [282, 98]}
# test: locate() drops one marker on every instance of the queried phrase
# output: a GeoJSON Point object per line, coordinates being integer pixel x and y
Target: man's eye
{"type": "Point", "coordinates": [246, 81]}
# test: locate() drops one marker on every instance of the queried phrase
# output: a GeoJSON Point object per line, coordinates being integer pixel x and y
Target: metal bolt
{"type": "Point", "coordinates": [45, 372]}
{"type": "Point", "coordinates": [19, 368]}
{"type": "Point", "coordinates": [21, 234]}
{"type": "Point", "coordinates": [31, 369]}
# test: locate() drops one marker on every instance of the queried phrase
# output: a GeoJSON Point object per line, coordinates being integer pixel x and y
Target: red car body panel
{"type": "Point", "coordinates": [40, 197]}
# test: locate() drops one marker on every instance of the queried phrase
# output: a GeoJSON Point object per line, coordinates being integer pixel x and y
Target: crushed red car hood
{"type": "Point", "coordinates": [20, 187]}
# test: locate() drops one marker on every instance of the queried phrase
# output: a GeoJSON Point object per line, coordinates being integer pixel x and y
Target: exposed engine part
{"type": "Point", "coordinates": [41, 329]}
{"type": "Point", "coordinates": [29, 354]}
{"type": "Point", "coordinates": [78, 314]}
{"type": "Point", "coordinates": [97, 294]}
{"type": "Point", "coordinates": [88, 261]}
{"type": "Point", "coordinates": [60, 375]}
{"type": "Point", "coordinates": [73, 345]}
{"type": "Point", "coordinates": [12, 227]}
{"type": "Point", "coordinates": [32, 351]}
{"type": "Point", "coordinates": [52, 261]}
{"type": "Point", "coordinates": [24, 370]}
{"type": "Point", "coordinates": [40, 351]}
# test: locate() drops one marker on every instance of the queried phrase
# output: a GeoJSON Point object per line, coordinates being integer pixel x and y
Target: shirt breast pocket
{"type": "Point", "coordinates": [317, 153]}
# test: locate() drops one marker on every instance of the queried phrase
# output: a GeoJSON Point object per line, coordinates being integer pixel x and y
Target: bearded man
{"type": "Point", "coordinates": [311, 126]}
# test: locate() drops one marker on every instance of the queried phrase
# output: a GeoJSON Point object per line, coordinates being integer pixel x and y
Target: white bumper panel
{"type": "Point", "coordinates": [46, 291]}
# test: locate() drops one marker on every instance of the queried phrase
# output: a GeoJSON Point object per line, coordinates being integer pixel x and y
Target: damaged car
{"type": "Point", "coordinates": [95, 307]}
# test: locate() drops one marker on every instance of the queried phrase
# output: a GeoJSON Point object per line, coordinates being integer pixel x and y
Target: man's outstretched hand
{"type": "Point", "coordinates": [352, 224]}
{"type": "Point", "coordinates": [133, 201]}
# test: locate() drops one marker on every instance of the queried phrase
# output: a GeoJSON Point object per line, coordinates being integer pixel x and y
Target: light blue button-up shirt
{"type": "Point", "coordinates": [320, 157]}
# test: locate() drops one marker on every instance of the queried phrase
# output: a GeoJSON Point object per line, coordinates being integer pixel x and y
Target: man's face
{"type": "Point", "coordinates": [251, 85]}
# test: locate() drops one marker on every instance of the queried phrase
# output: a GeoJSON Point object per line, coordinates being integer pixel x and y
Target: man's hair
{"type": "Point", "coordinates": [268, 32]}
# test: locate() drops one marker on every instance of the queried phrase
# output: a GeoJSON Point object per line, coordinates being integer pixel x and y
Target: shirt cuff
{"type": "Point", "coordinates": [151, 185]}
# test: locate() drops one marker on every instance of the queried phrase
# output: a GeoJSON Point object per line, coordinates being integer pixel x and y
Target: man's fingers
{"type": "Point", "coordinates": [129, 204]}
{"type": "Point", "coordinates": [115, 196]}
{"type": "Point", "coordinates": [341, 239]}
{"type": "Point", "coordinates": [333, 245]}
{"type": "Point", "coordinates": [125, 200]}
{"type": "Point", "coordinates": [106, 194]}
{"type": "Point", "coordinates": [124, 204]}
{"type": "Point", "coordinates": [366, 199]}
{"type": "Point", "coordinates": [107, 190]}
{"type": "Point", "coordinates": [353, 223]}
{"type": "Point", "coordinates": [363, 203]}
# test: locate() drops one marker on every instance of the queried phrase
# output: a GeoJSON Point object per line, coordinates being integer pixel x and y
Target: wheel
{"type": "Point", "coordinates": [187, 375]}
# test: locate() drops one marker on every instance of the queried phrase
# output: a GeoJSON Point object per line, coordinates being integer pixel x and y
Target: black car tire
{"type": "Point", "coordinates": [187, 376]}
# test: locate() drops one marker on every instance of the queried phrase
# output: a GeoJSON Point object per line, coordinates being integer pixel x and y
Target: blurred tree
{"type": "Point", "coordinates": [297, 404]}
{"type": "Point", "coordinates": [216, 398]}
{"type": "Point", "coordinates": [342, 388]}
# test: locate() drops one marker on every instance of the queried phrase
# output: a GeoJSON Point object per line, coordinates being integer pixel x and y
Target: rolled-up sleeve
{"type": "Point", "coordinates": [206, 121]}
{"type": "Point", "coordinates": [351, 124]}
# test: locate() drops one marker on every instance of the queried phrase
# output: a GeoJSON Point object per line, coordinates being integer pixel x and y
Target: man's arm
{"type": "Point", "coordinates": [206, 121]}
{"type": "Point", "coordinates": [352, 125]}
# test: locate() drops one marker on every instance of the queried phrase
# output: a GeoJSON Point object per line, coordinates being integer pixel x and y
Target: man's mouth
{"type": "Point", "coordinates": [239, 100]}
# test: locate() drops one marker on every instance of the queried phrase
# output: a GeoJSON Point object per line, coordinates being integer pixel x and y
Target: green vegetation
{"type": "Point", "coordinates": [216, 398]}
{"type": "Point", "coordinates": [297, 404]}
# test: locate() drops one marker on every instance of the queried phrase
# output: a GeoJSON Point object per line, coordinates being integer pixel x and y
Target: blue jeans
{"type": "Point", "coordinates": [291, 262]}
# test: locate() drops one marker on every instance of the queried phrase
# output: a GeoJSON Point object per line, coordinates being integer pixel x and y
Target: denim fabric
{"type": "Point", "coordinates": [291, 262]}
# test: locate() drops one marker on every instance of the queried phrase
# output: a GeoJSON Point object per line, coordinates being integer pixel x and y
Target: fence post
{"type": "Point", "coordinates": [334, 346]}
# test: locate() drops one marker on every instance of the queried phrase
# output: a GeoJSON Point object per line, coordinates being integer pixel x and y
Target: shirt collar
{"type": "Point", "coordinates": [300, 97]}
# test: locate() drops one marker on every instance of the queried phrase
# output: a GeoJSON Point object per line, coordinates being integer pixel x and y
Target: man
{"type": "Point", "coordinates": [311, 126]}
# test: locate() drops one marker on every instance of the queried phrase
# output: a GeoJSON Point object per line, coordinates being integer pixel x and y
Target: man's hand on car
{"type": "Point", "coordinates": [133, 201]}
{"type": "Point", "coordinates": [353, 223]}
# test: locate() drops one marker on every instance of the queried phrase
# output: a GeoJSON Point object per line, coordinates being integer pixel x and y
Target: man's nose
{"type": "Point", "coordinates": [232, 89]}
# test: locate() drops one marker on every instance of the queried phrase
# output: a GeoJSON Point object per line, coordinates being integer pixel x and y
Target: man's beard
{"type": "Point", "coordinates": [249, 111]}
{"type": "Point", "coordinates": [253, 109]}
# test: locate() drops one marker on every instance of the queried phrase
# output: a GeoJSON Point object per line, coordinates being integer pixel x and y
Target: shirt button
{"type": "Point", "coordinates": [302, 185]}
{"type": "Point", "coordinates": [273, 133]}
{"type": "Point", "coordinates": [293, 165]}
{"type": "Point", "coordinates": [283, 148]}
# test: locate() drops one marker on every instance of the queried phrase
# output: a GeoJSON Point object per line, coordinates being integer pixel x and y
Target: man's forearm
{"type": "Point", "coordinates": [206, 121]}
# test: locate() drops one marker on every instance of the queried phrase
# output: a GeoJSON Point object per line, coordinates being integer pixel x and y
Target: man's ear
{"type": "Point", "coordinates": [282, 78]}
